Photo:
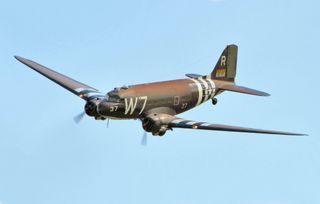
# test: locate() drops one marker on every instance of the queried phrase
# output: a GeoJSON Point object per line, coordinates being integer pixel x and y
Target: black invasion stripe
{"type": "Point", "coordinates": [184, 122]}
{"type": "Point", "coordinates": [210, 88]}
{"type": "Point", "coordinates": [199, 123]}
{"type": "Point", "coordinates": [203, 90]}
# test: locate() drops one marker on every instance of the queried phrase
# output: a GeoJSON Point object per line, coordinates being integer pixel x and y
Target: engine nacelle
{"type": "Point", "coordinates": [156, 124]}
{"type": "Point", "coordinates": [91, 108]}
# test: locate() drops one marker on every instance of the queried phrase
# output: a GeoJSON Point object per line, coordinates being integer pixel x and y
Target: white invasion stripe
{"type": "Point", "coordinates": [208, 76]}
{"type": "Point", "coordinates": [83, 89]}
{"type": "Point", "coordinates": [213, 88]}
{"type": "Point", "coordinates": [206, 89]}
{"type": "Point", "coordinates": [191, 123]}
{"type": "Point", "coordinates": [199, 90]}
{"type": "Point", "coordinates": [92, 94]}
{"type": "Point", "coordinates": [80, 89]}
{"type": "Point", "coordinates": [210, 89]}
{"type": "Point", "coordinates": [177, 120]}
{"type": "Point", "coordinates": [205, 124]}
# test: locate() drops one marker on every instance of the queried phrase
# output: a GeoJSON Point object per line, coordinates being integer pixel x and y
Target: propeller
{"type": "Point", "coordinates": [108, 122]}
{"type": "Point", "coordinates": [78, 117]}
{"type": "Point", "coordinates": [144, 139]}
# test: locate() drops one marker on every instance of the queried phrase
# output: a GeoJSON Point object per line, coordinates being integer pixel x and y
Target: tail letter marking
{"type": "Point", "coordinates": [223, 60]}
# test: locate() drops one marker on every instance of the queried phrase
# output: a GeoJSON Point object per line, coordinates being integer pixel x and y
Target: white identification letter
{"type": "Point", "coordinates": [223, 60]}
{"type": "Point", "coordinates": [130, 106]}
{"type": "Point", "coordinates": [144, 98]}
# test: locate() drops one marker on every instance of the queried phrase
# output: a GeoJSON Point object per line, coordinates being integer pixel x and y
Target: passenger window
{"type": "Point", "coordinates": [176, 100]}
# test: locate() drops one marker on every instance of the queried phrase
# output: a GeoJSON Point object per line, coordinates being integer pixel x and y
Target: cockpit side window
{"type": "Point", "coordinates": [114, 98]}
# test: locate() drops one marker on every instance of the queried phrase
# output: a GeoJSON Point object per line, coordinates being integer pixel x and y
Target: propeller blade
{"type": "Point", "coordinates": [78, 117]}
{"type": "Point", "coordinates": [144, 139]}
{"type": "Point", "coordinates": [108, 122]}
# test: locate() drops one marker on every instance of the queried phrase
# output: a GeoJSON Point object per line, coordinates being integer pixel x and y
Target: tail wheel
{"type": "Point", "coordinates": [214, 101]}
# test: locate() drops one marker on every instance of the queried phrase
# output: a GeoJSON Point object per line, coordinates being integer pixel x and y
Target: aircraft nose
{"type": "Point", "coordinates": [107, 108]}
{"type": "Point", "coordinates": [104, 107]}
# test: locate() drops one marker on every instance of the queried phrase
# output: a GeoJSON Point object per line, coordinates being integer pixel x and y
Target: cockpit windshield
{"type": "Point", "coordinates": [113, 96]}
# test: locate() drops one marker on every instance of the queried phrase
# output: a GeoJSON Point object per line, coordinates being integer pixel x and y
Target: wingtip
{"type": "Point", "coordinates": [23, 60]}
{"type": "Point", "coordinates": [261, 93]}
{"type": "Point", "coordinates": [20, 59]}
{"type": "Point", "coordinates": [298, 134]}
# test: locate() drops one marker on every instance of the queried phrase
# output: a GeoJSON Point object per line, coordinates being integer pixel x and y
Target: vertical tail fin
{"type": "Point", "coordinates": [226, 66]}
{"type": "Point", "coordinates": [226, 69]}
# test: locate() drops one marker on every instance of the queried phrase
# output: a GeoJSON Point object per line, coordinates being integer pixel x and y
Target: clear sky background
{"type": "Point", "coordinates": [46, 158]}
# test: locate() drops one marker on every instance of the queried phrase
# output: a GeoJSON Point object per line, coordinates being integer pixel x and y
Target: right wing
{"type": "Point", "coordinates": [84, 91]}
{"type": "Point", "coordinates": [181, 123]}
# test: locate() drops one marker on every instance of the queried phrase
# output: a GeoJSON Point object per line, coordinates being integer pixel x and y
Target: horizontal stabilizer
{"type": "Point", "coordinates": [242, 89]}
{"type": "Point", "coordinates": [193, 76]}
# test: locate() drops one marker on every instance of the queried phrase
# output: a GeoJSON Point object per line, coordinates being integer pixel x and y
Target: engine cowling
{"type": "Point", "coordinates": [91, 108]}
{"type": "Point", "coordinates": [156, 124]}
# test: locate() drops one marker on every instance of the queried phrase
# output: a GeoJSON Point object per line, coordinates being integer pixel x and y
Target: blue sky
{"type": "Point", "coordinates": [46, 158]}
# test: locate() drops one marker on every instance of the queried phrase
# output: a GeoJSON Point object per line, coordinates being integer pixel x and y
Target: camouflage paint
{"type": "Point", "coordinates": [156, 104]}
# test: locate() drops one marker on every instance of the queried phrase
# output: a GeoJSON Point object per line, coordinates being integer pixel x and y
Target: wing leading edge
{"type": "Point", "coordinates": [78, 88]}
{"type": "Point", "coordinates": [181, 123]}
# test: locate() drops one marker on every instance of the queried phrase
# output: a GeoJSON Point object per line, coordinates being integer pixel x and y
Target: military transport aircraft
{"type": "Point", "coordinates": [157, 104]}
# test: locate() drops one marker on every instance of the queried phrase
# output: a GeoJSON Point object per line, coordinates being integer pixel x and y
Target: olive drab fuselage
{"type": "Point", "coordinates": [173, 97]}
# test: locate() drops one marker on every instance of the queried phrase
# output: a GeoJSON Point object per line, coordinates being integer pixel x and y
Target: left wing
{"type": "Point", "coordinates": [80, 89]}
{"type": "Point", "coordinates": [181, 123]}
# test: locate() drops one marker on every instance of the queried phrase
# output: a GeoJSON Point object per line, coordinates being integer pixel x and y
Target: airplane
{"type": "Point", "coordinates": [157, 104]}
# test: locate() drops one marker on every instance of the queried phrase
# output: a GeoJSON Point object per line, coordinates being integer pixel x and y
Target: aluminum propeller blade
{"type": "Point", "coordinates": [144, 139]}
{"type": "Point", "coordinates": [79, 117]}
